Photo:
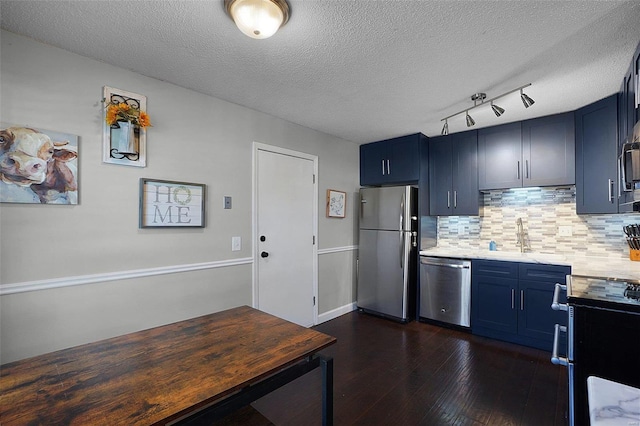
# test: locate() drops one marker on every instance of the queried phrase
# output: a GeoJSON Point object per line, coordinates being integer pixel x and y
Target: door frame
{"type": "Point", "coordinates": [258, 146]}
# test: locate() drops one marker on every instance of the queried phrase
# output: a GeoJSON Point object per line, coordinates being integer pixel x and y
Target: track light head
{"type": "Point", "coordinates": [497, 110]}
{"type": "Point", "coordinates": [526, 100]}
{"type": "Point", "coordinates": [470, 121]}
{"type": "Point", "coordinates": [445, 128]}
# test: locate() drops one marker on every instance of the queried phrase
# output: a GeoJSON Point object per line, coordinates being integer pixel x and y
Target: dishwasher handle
{"type": "Point", "coordinates": [445, 264]}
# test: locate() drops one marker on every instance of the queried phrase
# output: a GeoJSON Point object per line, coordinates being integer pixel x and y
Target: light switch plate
{"type": "Point", "coordinates": [227, 202]}
{"type": "Point", "coordinates": [236, 243]}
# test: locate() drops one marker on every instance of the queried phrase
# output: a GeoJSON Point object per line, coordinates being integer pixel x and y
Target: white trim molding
{"type": "Point", "coordinates": [115, 276]}
{"type": "Point", "coordinates": [337, 249]}
{"type": "Point", "coordinates": [335, 313]}
{"type": "Point", "coordinates": [21, 287]}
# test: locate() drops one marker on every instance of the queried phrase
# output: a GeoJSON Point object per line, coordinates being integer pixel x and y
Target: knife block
{"type": "Point", "coordinates": [634, 255]}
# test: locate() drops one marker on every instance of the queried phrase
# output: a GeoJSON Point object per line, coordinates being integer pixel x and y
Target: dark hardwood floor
{"type": "Point", "coordinates": [387, 373]}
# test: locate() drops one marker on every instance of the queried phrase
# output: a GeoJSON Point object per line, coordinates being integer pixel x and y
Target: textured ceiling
{"type": "Point", "coordinates": [361, 70]}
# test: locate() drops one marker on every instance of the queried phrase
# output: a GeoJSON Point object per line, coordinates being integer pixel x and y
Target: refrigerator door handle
{"type": "Point", "coordinates": [402, 254]}
{"type": "Point", "coordinates": [402, 212]}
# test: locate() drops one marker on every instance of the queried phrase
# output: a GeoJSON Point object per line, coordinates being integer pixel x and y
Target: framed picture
{"type": "Point", "coordinates": [170, 204]}
{"type": "Point", "coordinates": [124, 141]}
{"type": "Point", "coordinates": [336, 203]}
{"type": "Point", "coordinates": [37, 166]}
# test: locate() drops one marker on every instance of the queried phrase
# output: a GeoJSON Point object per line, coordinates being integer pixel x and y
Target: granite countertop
{"type": "Point", "coordinates": [606, 267]}
{"type": "Point", "coordinates": [599, 292]}
{"type": "Point", "coordinates": [612, 403]}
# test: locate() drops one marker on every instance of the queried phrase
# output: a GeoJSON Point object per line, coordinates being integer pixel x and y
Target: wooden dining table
{"type": "Point", "coordinates": [190, 372]}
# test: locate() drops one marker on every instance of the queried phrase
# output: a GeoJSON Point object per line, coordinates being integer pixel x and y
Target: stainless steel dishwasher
{"type": "Point", "coordinates": [445, 290]}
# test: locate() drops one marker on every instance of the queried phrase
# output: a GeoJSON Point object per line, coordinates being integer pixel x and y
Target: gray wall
{"type": "Point", "coordinates": [131, 278]}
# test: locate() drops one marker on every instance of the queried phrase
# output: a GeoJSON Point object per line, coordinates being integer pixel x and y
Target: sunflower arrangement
{"type": "Point", "coordinates": [125, 112]}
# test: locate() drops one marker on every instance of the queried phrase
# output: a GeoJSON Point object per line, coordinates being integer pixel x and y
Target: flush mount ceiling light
{"type": "Point", "coordinates": [258, 18]}
{"type": "Point", "coordinates": [497, 110]}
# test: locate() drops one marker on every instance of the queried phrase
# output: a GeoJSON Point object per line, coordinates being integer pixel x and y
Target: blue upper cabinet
{"type": "Point", "coordinates": [538, 152]}
{"type": "Point", "coordinates": [548, 145]}
{"type": "Point", "coordinates": [500, 157]}
{"type": "Point", "coordinates": [628, 99]}
{"type": "Point", "coordinates": [453, 175]}
{"type": "Point", "coordinates": [391, 162]}
{"type": "Point", "coordinates": [596, 157]}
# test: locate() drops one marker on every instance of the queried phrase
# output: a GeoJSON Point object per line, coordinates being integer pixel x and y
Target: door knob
{"type": "Point", "coordinates": [264, 254]}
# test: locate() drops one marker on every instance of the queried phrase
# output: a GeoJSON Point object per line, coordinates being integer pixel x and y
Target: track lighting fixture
{"type": "Point", "coordinates": [445, 128]}
{"type": "Point", "coordinates": [470, 121]}
{"type": "Point", "coordinates": [497, 110]}
{"type": "Point", "coordinates": [526, 100]}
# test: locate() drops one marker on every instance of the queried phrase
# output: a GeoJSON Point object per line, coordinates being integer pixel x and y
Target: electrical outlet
{"type": "Point", "coordinates": [462, 229]}
{"type": "Point", "coordinates": [236, 243]}
{"type": "Point", "coordinates": [565, 231]}
{"type": "Point", "coordinates": [227, 203]}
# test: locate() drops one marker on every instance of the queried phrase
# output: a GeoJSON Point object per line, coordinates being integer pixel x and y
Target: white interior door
{"type": "Point", "coordinates": [285, 254]}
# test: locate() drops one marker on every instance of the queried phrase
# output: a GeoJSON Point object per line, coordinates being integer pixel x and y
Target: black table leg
{"type": "Point", "coordinates": [327, 390]}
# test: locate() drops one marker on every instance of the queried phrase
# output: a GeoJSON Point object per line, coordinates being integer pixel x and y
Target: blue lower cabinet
{"type": "Point", "coordinates": [491, 307]}
{"type": "Point", "coordinates": [511, 301]}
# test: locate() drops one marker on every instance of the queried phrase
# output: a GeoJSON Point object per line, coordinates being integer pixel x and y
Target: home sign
{"type": "Point", "coordinates": [171, 204]}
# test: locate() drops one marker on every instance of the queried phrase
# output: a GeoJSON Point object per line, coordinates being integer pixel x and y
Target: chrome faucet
{"type": "Point", "coordinates": [523, 240]}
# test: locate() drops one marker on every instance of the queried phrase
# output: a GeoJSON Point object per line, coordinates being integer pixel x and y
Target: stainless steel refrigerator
{"type": "Point", "coordinates": [388, 245]}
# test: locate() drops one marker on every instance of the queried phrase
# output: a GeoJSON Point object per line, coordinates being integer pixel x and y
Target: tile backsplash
{"type": "Point", "coordinates": [543, 212]}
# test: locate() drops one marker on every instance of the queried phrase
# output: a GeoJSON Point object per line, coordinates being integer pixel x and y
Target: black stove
{"type": "Point", "coordinates": [610, 293]}
{"type": "Point", "coordinates": [604, 320]}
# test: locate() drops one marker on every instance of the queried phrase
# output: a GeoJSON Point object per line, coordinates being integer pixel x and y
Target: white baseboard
{"type": "Point", "coordinates": [335, 313]}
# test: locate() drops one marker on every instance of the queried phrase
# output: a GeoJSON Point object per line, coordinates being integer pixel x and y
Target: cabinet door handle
{"type": "Point", "coordinates": [619, 178]}
{"type": "Point", "coordinates": [518, 170]}
{"type": "Point", "coordinates": [383, 168]}
{"type": "Point", "coordinates": [526, 169]}
{"type": "Point", "coordinates": [513, 298]}
{"type": "Point", "coordinates": [448, 199]}
{"type": "Point", "coordinates": [455, 199]}
{"type": "Point", "coordinates": [610, 191]}
{"type": "Point", "coordinates": [522, 300]}
{"type": "Point", "coordinates": [388, 168]}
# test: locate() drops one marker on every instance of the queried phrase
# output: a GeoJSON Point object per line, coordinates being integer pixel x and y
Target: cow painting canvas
{"type": "Point", "coordinates": [38, 166]}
